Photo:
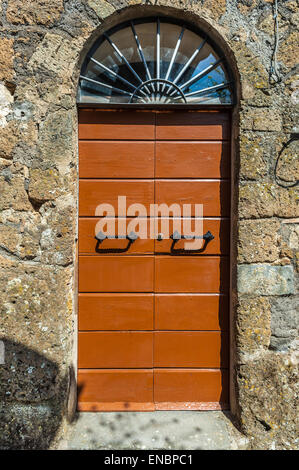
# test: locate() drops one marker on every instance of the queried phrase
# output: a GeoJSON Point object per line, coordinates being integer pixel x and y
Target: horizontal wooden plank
{"type": "Point", "coordinates": [193, 125]}
{"type": "Point", "coordinates": [191, 312]}
{"type": "Point", "coordinates": [118, 124]}
{"type": "Point", "coordinates": [213, 195]}
{"type": "Point", "coordinates": [191, 386]}
{"type": "Point", "coordinates": [121, 349]}
{"type": "Point", "coordinates": [116, 159]}
{"type": "Point", "coordinates": [190, 349]}
{"type": "Point", "coordinates": [114, 390]}
{"type": "Point", "coordinates": [220, 229]}
{"type": "Point", "coordinates": [115, 311]}
{"type": "Point", "coordinates": [202, 274]}
{"type": "Point", "coordinates": [94, 193]}
{"type": "Point", "coordinates": [192, 159]}
{"type": "Point", "coordinates": [88, 244]}
{"type": "Point", "coordinates": [116, 273]}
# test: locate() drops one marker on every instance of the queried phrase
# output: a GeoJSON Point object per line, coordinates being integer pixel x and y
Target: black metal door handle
{"type": "Point", "coordinates": [132, 237]}
{"type": "Point", "coordinates": [100, 237]}
{"type": "Point", "coordinates": [176, 236]}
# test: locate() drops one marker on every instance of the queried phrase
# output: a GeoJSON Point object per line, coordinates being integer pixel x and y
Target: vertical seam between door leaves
{"type": "Point", "coordinates": [154, 296]}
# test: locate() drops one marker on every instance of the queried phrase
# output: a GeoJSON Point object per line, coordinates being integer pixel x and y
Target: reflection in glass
{"type": "Point", "coordinates": [154, 61]}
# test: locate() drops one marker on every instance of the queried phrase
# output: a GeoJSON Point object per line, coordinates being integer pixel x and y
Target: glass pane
{"type": "Point", "coordinates": [119, 66]}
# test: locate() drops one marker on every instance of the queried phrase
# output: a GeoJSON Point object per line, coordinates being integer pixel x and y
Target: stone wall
{"type": "Point", "coordinates": [42, 45]}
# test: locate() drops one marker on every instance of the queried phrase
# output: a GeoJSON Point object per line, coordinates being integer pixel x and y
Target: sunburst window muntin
{"type": "Point", "coordinates": [155, 61]}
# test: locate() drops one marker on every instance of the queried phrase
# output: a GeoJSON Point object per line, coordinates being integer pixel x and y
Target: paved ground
{"type": "Point", "coordinates": [154, 430]}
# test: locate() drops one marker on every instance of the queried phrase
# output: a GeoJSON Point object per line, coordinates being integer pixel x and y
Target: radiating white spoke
{"type": "Point", "coordinates": [158, 53]}
{"type": "Point", "coordinates": [201, 74]}
{"type": "Point", "coordinates": [141, 55]}
{"type": "Point", "coordinates": [174, 56]}
{"type": "Point", "coordinates": [110, 87]}
{"type": "Point", "coordinates": [189, 62]}
{"type": "Point", "coordinates": [105, 85]}
{"type": "Point", "coordinates": [135, 63]}
{"type": "Point", "coordinates": [206, 90]}
{"type": "Point", "coordinates": [114, 74]}
{"type": "Point", "coordinates": [140, 51]}
{"type": "Point", "coordinates": [120, 54]}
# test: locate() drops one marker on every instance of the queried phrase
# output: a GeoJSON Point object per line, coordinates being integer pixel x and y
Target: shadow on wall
{"type": "Point", "coordinates": [32, 398]}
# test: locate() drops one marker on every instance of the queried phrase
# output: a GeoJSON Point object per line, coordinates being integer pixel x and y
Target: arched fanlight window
{"type": "Point", "coordinates": [154, 61]}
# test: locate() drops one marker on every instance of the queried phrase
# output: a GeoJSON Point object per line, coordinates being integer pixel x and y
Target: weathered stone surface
{"type": "Point", "coordinates": [44, 185]}
{"type": "Point", "coordinates": [8, 139]}
{"type": "Point", "coordinates": [32, 296]}
{"type": "Point", "coordinates": [217, 7]}
{"type": "Point", "coordinates": [254, 164]}
{"type": "Point", "coordinates": [101, 7]}
{"type": "Point", "coordinates": [6, 59]}
{"type": "Point", "coordinates": [61, 55]}
{"type": "Point", "coordinates": [289, 50]}
{"type": "Point", "coordinates": [284, 322]}
{"type": "Point", "coordinates": [267, 200]}
{"type": "Point", "coordinates": [258, 241]}
{"type": "Point", "coordinates": [56, 144]}
{"type": "Point", "coordinates": [263, 279]}
{"type": "Point", "coordinates": [45, 12]}
{"type": "Point", "coordinates": [288, 165]}
{"type": "Point", "coordinates": [12, 189]}
{"type": "Point", "coordinates": [57, 236]}
{"type": "Point", "coordinates": [6, 101]}
{"type": "Point", "coordinates": [20, 238]}
{"type": "Point", "coordinates": [261, 119]}
{"type": "Point", "coordinates": [251, 67]}
{"type": "Point", "coordinates": [268, 387]}
{"type": "Point", "coordinates": [253, 326]}
{"type": "Point", "coordinates": [29, 426]}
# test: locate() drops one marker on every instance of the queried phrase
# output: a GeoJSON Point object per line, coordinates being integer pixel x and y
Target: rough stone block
{"type": "Point", "coordinates": [258, 241]}
{"type": "Point", "coordinates": [253, 325]}
{"type": "Point", "coordinates": [258, 200]}
{"type": "Point", "coordinates": [253, 162]}
{"type": "Point", "coordinates": [44, 185]}
{"type": "Point", "coordinates": [268, 387]}
{"type": "Point", "coordinates": [261, 119]}
{"type": "Point", "coordinates": [101, 7]}
{"type": "Point", "coordinates": [44, 12]}
{"type": "Point", "coordinates": [6, 59]}
{"type": "Point", "coordinates": [263, 279]}
{"type": "Point", "coordinates": [284, 322]}
{"type": "Point", "coordinates": [289, 51]}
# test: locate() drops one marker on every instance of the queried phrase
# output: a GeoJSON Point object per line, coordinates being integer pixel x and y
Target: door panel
{"type": "Point", "coordinates": [190, 349]}
{"type": "Point", "coordinates": [191, 274]}
{"type": "Point", "coordinates": [191, 312]}
{"type": "Point", "coordinates": [116, 274]}
{"type": "Point", "coordinates": [196, 125]}
{"type": "Point", "coordinates": [97, 349]}
{"type": "Point", "coordinates": [93, 193]}
{"type": "Point", "coordinates": [115, 390]}
{"type": "Point", "coordinates": [116, 311]}
{"type": "Point", "coordinates": [214, 195]}
{"type": "Point", "coordinates": [152, 314]}
{"type": "Point", "coordinates": [190, 386]}
{"type": "Point", "coordinates": [88, 244]}
{"type": "Point", "coordinates": [116, 159]}
{"type": "Point", "coordinates": [120, 125]}
{"type": "Point", "coordinates": [192, 160]}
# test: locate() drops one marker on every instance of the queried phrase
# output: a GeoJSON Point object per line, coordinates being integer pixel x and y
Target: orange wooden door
{"type": "Point", "coordinates": [153, 317]}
